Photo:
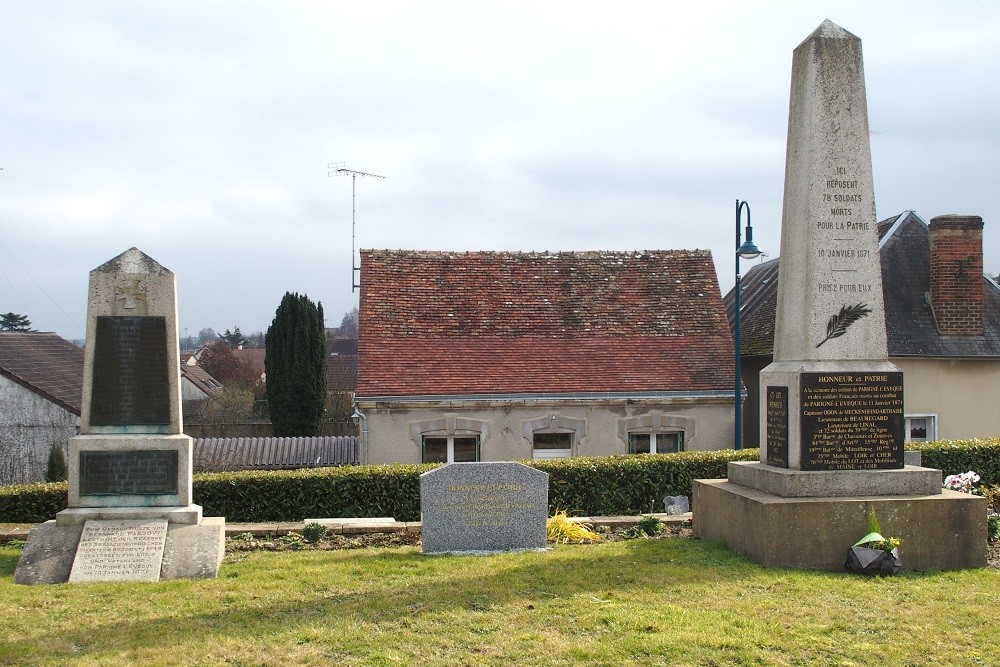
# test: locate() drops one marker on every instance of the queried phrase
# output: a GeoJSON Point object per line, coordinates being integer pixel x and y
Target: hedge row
{"type": "Point", "coordinates": [954, 456]}
{"type": "Point", "coordinates": [604, 486]}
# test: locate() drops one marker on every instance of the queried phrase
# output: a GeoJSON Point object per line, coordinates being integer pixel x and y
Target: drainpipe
{"type": "Point", "coordinates": [360, 417]}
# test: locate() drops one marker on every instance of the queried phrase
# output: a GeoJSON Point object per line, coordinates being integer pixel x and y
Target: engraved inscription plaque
{"type": "Point", "coordinates": [130, 384]}
{"type": "Point", "coordinates": [777, 426]}
{"type": "Point", "coordinates": [120, 550]}
{"type": "Point", "coordinates": [141, 473]}
{"type": "Point", "coordinates": [852, 421]}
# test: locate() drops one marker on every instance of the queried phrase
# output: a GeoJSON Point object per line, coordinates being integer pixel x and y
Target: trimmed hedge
{"type": "Point", "coordinates": [630, 485]}
{"type": "Point", "coordinates": [294, 495]}
{"type": "Point", "coordinates": [604, 486]}
{"type": "Point", "coordinates": [955, 456]}
{"type": "Point", "coordinates": [32, 503]}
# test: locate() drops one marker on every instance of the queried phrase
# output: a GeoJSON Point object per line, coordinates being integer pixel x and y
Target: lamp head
{"type": "Point", "coordinates": [749, 250]}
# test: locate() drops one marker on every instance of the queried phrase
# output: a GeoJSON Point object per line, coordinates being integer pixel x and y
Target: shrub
{"type": "Point", "coordinates": [314, 532]}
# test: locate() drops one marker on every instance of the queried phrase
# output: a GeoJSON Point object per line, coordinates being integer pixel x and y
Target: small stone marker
{"type": "Point", "coordinates": [124, 550]}
{"type": "Point", "coordinates": [483, 508]}
{"type": "Point", "coordinates": [676, 505]}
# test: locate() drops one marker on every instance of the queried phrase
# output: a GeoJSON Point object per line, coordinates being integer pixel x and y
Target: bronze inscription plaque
{"type": "Point", "coordinates": [777, 426]}
{"type": "Point", "coordinates": [142, 473]}
{"type": "Point", "coordinates": [130, 384]}
{"type": "Point", "coordinates": [852, 421]}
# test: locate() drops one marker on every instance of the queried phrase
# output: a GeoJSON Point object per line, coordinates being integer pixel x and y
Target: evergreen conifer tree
{"type": "Point", "coordinates": [295, 367]}
{"type": "Point", "coordinates": [55, 470]}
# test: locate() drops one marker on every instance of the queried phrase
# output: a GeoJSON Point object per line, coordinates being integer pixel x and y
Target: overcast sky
{"type": "Point", "coordinates": [201, 132]}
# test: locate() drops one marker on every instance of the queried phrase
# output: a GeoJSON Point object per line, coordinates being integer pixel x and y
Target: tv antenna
{"type": "Point", "coordinates": [336, 169]}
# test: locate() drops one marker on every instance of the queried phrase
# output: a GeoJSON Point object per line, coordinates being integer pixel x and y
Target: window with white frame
{"type": "Point", "coordinates": [655, 443]}
{"type": "Point", "coordinates": [450, 449]}
{"type": "Point", "coordinates": [920, 428]}
{"type": "Point", "coordinates": [551, 445]}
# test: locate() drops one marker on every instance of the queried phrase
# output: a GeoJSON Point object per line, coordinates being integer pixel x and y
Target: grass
{"type": "Point", "coordinates": [644, 602]}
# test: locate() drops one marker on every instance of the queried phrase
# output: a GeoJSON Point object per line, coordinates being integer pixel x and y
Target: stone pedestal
{"type": "Point", "coordinates": [942, 531]}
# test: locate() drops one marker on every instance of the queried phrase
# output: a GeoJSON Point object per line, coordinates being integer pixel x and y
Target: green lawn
{"type": "Point", "coordinates": [645, 602]}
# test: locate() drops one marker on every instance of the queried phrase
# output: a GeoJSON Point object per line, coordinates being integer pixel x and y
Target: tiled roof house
{"type": "Point", "coordinates": [41, 388]}
{"type": "Point", "coordinates": [942, 318]}
{"type": "Point", "coordinates": [511, 355]}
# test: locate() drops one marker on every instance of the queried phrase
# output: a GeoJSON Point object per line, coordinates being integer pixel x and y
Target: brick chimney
{"type": "Point", "coordinates": [957, 274]}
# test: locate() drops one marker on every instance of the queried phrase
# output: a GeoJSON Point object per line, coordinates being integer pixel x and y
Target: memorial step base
{"type": "Point", "coordinates": [790, 483]}
{"type": "Point", "coordinates": [944, 531]}
{"type": "Point", "coordinates": [190, 551]}
{"type": "Point", "coordinates": [188, 514]}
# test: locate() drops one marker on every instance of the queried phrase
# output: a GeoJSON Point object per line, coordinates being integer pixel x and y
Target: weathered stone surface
{"type": "Point", "coordinates": [194, 551]}
{"type": "Point", "coordinates": [483, 507]}
{"type": "Point", "coordinates": [830, 320]}
{"type": "Point", "coordinates": [122, 446]}
{"type": "Point", "coordinates": [909, 481]}
{"type": "Point", "coordinates": [130, 469]}
{"type": "Point", "coordinates": [123, 550]}
{"type": "Point", "coordinates": [829, 239]}
{"type": "Point", "coordinates": [944, 531]}
{"type": "Point", "coordinates": [134, 289]}
{"type": "Point", "coordinates": [48, 554]}
{"type": "Point", "coordinates": [77, 516]}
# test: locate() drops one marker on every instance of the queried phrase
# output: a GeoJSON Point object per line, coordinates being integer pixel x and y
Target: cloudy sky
{"type": "Point", "coordinates": [201, 133]}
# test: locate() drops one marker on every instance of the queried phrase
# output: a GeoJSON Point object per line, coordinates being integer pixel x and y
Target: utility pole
{"type": "Point", "coordinates": [336, 169]}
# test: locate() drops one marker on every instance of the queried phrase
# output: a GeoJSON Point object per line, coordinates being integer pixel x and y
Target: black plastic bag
{"type": "Point", "coordinates": [873, 562]}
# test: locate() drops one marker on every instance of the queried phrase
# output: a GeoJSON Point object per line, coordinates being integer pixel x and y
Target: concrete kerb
{"type": "Point", "coordinates": [19, 531]}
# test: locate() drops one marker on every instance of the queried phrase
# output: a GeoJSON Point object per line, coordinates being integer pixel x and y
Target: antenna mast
{"type": "Point", "coordinates": [336, 169]}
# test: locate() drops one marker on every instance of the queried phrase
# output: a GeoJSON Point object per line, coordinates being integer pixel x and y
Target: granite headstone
{"type": "Point", "coordinates": [483, 508]}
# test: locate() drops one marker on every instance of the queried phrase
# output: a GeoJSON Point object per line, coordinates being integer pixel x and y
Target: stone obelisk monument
{"type": "Point", "coordinates": [130, 515]}
{"type": "Point", "coordinates": [832, 414]}
{"type": "Point", "coordinates": [831, 375]}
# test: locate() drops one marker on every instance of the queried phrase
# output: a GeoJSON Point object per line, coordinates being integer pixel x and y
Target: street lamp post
{"type": "Point", "coordinates": [747, 250]}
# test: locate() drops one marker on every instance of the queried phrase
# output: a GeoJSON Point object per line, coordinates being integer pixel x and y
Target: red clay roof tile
{"type": "Point", "coordinates": [506, 322]}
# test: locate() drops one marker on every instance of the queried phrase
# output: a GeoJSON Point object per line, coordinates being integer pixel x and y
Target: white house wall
{"type": "Point", "coordinates": [959, 392]}
{"type": "Point", "coordinates": [394, 431]}
{"type": "Point", "coordinates": [29, 424]}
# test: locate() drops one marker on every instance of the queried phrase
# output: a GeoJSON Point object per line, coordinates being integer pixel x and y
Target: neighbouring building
{"type": "Point", "coordinates": [942, 319]}
{"type": "Point", "coordinates": [41, 388]}
{"type": "Point", "coordinates": [197, 387]}
{"type": "Point", "coordinates": [493, 356]}
{"type": "Point", "coordinates": [341, 375]}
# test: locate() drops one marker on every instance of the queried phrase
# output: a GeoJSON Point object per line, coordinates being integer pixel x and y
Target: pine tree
{"type": "Point", "coordinates": [14, 322]}
{"type": "Point", "coordinates": [295, 367]}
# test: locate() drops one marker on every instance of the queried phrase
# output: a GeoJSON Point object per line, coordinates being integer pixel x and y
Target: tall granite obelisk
{"type": "Point", "coordinates": [832, 414]}
{"type": "Point", "coordinates": [130, 515]}
{"type": "Point", "coordinates": [831, 377]}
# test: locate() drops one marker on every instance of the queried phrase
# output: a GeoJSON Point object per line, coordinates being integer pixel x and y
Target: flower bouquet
{"type": "Point", "coordinates": [874, 555]}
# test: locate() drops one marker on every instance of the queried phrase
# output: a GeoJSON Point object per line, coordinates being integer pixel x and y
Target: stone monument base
{"type": "Point", "coordinates": [942, 531]}
{"type": "Point", "coordinates": [190, 551]}
{"type": "Point", "coordinates": [74, 516]}
{"type": "Point", "coordinates": [788, 483]}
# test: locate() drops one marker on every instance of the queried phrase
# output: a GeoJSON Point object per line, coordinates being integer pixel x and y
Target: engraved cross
{"type": "Point", "coordinates": [131, 294]}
